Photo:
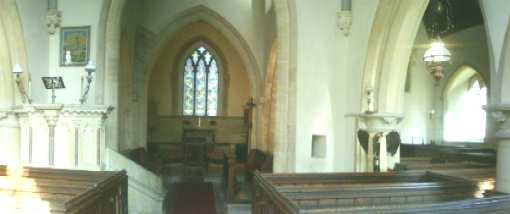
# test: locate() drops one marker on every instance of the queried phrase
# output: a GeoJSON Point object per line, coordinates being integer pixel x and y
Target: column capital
{"type": "Point", "coordinates": [377, 122]}
{"type": "Point", "coordinates": [500, 113]}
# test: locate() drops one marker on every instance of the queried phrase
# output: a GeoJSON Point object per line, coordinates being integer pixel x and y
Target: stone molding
{"type": "Point", "coordinates": [500, 113]}
{"type": "Point", "coordinates": [62, 129]}
{"type": "Point", "coordinates": [377, 122]}
{"type": "Point", "coordinates": [68, 110]}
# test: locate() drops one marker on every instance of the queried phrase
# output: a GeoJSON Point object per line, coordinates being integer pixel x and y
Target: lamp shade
{"type": "Point", "coordinates": [17, 69]}
{"type": "Point", "coordinates": [437, 53]}
{"type": "Point", "coordinates": [90, 67]}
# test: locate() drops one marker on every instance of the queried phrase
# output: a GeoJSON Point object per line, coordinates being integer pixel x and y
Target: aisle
{"type": "Point", "coordinates": [192, 198]}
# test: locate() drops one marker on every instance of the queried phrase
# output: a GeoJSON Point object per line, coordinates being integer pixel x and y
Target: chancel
{"type": "Point", "coordinates": [254, 106]}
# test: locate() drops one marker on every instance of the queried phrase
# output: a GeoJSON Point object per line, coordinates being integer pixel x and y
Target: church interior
{"type": "Point", "coordinates": [254, 106]}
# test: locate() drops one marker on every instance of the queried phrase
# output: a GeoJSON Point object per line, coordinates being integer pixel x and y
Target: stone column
{"type": "Point", "coordinates": [51, 115]}
{"type": "Point", "coordinates": [501, 115]}
{"type": "Point", "coordinates": [378, 126]}
{"type": "Point", "coordinates": [77, 123]}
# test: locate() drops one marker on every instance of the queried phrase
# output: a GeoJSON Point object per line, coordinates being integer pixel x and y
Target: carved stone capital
{"type": "Point", "coordinates": [344, 21]}
{"type": "Point", "coordinates": [501, 115]}
{"type": "Point", "coordinates": [377, 122]}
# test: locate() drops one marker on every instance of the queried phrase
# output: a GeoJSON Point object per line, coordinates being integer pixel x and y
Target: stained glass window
{"type": "Point", "coordinates": [201, 78]}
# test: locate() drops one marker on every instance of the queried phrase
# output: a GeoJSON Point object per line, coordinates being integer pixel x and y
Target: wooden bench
{"type": "Point", "coordinates": [363, 192]}
{"type": "Point", "coordinates": [42, 190]}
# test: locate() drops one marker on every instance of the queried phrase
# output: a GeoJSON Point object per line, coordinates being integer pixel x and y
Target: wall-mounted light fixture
{"type": "Point", "coordinates": [89, 68]}
{"type": "Point", "coordinates": [17, 71]}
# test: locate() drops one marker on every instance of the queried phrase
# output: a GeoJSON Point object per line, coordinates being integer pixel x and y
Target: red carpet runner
{"type": "Point", "coordinates": [193, 198]}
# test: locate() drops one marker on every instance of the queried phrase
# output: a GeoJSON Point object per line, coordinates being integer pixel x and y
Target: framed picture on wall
{"type": "Point", "coordinates": [74, 46]}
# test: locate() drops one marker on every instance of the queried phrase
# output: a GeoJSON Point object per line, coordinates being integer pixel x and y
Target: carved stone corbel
{"type": "Point", "coordinates": [344, 21]}
{"type": "Point", "coordinates": [53, 20]}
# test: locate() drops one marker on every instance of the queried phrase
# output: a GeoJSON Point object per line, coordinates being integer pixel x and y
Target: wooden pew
{"type": "Point", "coordinates": [365, 193]}
{"type": "Point", "coordinates": [62, 191]}
{"type": "Point", "coordinates": [256, 161]}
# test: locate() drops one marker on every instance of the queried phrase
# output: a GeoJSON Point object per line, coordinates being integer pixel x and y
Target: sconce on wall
{"type": "Point", "coordinates": [17, 71]}
{"type": "Point", "coordinates": [90, 68]}
{"type": "Point", "coordinates": [344, 17]}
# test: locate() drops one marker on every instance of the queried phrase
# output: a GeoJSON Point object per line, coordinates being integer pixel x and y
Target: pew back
{"type": "Point", "coordinates": [360, 192]}
{"type": "Point", "coordinates": [63, 191]}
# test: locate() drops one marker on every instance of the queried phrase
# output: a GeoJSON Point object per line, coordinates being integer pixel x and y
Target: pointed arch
{"type": "Point", "coordinates": [504, 81]}
{"type": "Point", "coordinates": [390, 44]}
{"type": "Point", "coordinates": [12, 52]}
{"type": "Point", "coordinates": [208, 16]}
{"type": "Point", "coordinates": [284, 137]}
{"type": "Point", "coordinates": [465, 94]}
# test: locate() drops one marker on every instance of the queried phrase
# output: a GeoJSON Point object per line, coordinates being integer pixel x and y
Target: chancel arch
{"type": "Point", "coordinates": [170, 68]}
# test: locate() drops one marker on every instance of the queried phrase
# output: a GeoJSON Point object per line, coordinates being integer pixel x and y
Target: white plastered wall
{"type": "Point", "coordinates": [419, 100]}
{"type": "Point", "coordinates": [329, 73]}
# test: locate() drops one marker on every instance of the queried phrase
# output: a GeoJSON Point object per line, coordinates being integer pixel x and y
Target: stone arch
{"type": "Point", "coordinates": [204, 14]}
{"type": "Point", "coordinates": [11, 53]}
{"type": "Point", "coordinates": [267, 111]}
{"type": "Point", "coordinates": [504, 81]}
{"type": "Point", "coordinates": [109, 63]}
{"type": "Point", "coordinates": [284, 137]}
{"type": "Point", "coordinates": [391, 41]}
{"type": "Point", "coordinates": [450, 80]}
{"type": "Point", "coordinates": [180, 49]}
{"type": "Point", "coordinates": [285, 106]}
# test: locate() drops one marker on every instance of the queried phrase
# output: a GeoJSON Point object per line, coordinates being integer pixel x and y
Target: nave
{"type": "Point", "coordinates": [254, 106]}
